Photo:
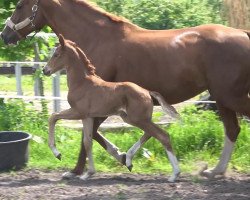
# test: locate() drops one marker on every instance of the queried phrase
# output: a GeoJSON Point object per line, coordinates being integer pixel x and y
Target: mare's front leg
{"type": "Point", "coordinates": [70, 114]}
{"type": "Point", "coordinates": [232, 129]}
{"type": "Point", "coordinates": [106, 144]}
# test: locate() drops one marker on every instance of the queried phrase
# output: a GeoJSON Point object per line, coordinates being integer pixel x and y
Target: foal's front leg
{"type": "Point", "coordinates": [70, 114]}
{"type": "Point", "coordinates": [88, 141]}
{"type": "Point", "coordinates": [132, 151]}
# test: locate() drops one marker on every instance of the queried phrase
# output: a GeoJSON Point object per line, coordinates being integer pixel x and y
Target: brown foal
{"type": "Point", "coordinates": [89, 96]}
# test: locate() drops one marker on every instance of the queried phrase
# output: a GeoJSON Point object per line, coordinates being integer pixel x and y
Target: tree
{"type": "Point", "coordinates": [238, 13]}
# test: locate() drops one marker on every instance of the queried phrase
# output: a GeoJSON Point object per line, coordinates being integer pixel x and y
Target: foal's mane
{"type": "Point", "coordinates": [87, 64]}
{"type": "Point", "coordinates": [93, 6]}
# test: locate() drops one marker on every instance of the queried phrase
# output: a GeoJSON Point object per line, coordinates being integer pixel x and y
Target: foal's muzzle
{"type": "Point", "coordinates": [46, 71]}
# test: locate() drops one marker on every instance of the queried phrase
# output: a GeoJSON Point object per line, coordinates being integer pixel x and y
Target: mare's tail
{"type": "Point", "coordinates": [165, 106]}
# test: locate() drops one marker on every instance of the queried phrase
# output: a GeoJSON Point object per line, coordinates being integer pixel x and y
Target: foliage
{"type": "Point", "coordinates": [18, 115]}
{"type": "Point", "coordinates": [166, 14]}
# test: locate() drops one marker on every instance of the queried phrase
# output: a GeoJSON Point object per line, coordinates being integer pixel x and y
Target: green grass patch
{"type": "Point", "coordinates": [8, 84]}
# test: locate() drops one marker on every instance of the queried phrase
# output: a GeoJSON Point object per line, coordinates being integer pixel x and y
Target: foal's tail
{"type": "Point", "coordinates": [165, 106]}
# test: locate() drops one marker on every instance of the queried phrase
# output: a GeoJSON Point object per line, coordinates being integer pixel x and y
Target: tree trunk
{"type": "Point", "coordinates": [238, 13]}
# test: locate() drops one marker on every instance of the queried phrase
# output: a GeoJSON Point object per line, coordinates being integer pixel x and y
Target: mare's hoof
{"type": "Point", "coordinates": [130, 168]}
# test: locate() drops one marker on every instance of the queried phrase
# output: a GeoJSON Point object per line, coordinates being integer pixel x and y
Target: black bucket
{"type": "Point", "coordinates": [14, 150]}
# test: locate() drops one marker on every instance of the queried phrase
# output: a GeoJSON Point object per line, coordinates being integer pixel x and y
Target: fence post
{"type": "Point", "coordinates": [38, 85]}
{"type": "Point", "coordinates": [18, 73]}
{"type": "Point", "coordinates": [56, 91]}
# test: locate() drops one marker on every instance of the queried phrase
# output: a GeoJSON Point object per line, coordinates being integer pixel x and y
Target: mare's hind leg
{"type": "Point", "coordinates": [232, 129]}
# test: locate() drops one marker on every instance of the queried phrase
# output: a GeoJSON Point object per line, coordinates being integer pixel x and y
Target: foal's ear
{"type": "Point", "coordinates": [61, 40]}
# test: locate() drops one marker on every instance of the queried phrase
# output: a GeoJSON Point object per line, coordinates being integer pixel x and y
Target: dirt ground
{"type": "Point", "coordinates": [37, 184]}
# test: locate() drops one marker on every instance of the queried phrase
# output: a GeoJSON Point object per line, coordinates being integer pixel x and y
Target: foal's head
{"type": "Point", "coordinates": [66, 55]}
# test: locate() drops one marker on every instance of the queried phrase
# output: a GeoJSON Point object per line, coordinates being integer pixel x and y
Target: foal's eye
{"type": "Point", "coordinates": [56, 55]}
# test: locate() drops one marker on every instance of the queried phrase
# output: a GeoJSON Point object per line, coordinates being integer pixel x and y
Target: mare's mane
{"type": "Point", "coordinates": [87, 64]}
{"type": "Point", "coordinates": [93, 6]}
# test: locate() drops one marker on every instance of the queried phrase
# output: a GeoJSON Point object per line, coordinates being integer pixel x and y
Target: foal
{"type": "Point", "coordinates": [89, 96]}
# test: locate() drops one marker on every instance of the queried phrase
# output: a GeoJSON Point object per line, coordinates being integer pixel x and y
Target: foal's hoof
{"type": "Point", "coordinates": [59, 156]}
{"type": "Point", "coordinates": [123, 159]}
{"type": "Point", "coordinates": [68, 175]}
{"type": "Point", "coordinates": [174, 177]}
{"type": "Point", "coordinates": [205, 172]}
{"type": "Point", "coordinates": [87, 175]}
{"type": "Point", "coordinates": [130, 168]}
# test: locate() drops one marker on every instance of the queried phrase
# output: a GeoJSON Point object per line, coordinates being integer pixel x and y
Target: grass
{"type": "Point", "coordinates": [8, 84]}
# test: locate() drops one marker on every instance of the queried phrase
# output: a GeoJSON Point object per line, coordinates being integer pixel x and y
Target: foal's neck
{"type": "Point", "coordinates": [77, 73]}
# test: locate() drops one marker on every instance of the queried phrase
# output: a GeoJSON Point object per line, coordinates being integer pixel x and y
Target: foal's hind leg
{"type": "Point", "coordinates": [232, 130]}
{"type": "Point", "coordinates": [153, 130]}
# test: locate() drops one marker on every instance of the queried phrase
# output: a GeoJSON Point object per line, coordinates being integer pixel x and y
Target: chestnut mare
{"type": "Point", "coordinates": [178, 64]}
{"type": "Point", "coordinates": [90, 96]}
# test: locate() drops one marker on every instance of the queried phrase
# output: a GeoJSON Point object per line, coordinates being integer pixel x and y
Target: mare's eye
{"type": "Point", "coordinates": [56, 55]}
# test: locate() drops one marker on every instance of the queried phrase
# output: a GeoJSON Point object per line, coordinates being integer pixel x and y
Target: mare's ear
{"type": "Point", "coordinates": [61, 40]}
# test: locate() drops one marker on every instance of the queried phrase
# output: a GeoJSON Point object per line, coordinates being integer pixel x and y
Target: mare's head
{"type": "Point", "coordinates": [26, 18]}
{"type": "Point", "coordinates": [67, 54]}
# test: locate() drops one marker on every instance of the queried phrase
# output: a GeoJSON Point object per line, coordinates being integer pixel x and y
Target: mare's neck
{"type": "Point", "coordinates": [82, 23]}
